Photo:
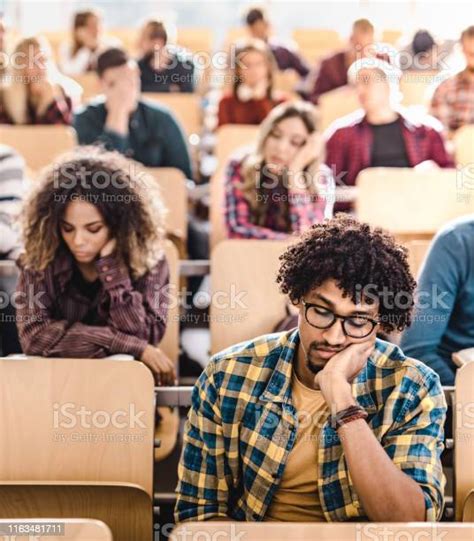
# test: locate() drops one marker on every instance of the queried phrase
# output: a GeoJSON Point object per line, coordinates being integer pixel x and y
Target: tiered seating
{"type": "Point", "coordinates": [230, 138]}
{"type": "Point", "coordinates": [464, 151]}
{"type": "Point", "coordinates": [417, 251]}
{"type": "Point", "coordinates": [186, 108]}
{"type": "Point", "coordinates": [315, 43]}
{"type": "Point", "coordinates": [172, 187]}
{"type": "Point", "coordinates": [60, 462]}
{"type": "Point", "coordinates": [90, 84]}
{"type": "Point", "coordinates": [336, 104]}
{"type": "Point", "coordinates": [409, 203]}
{"type": "Point", "coordinates": [247, 269]}
{"type": "Point", "coordinates": [464, 443]}
{"type": "Point", "coordinates": [39, 145]}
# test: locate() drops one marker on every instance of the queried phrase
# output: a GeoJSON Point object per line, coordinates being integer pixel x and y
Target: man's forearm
{"type": "Point", "coordinates": [387, 494]}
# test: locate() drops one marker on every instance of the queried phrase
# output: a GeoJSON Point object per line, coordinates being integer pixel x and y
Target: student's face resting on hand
{"type": "Point", "coordinates": [122, 85]}
{"type": "Point", "coordinates": [320, 345]}
{"type": "Point", "coordinates": [283, 143]}
{"type": "Point", "coordinates": [84, 231]}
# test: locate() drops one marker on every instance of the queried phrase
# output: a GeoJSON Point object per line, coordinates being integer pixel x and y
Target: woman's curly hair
{"type": "Point", "coordinates": [127, 198]}
{"type": "Point", "coordinates": [366, 263]}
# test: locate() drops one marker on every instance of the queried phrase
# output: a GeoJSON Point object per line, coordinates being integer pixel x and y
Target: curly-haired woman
{"type": "Point", "coordinates": [325, 422]}
{"type": "Point", "coordinates": [93, 275]}
{"type": "Point", "coordinates": [280, 187]}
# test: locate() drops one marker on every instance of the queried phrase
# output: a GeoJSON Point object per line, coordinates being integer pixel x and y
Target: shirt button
{"type": "Point", "coordinates": [105, 268]}
{"type": "Point", "coordinates": [108, 278]}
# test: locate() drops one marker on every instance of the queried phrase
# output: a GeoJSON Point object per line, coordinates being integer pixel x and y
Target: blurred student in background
{"type": "Point", "coordinates": [252, 96]}
{"type": "Point", "coordinates": [380, 134]}
{"type": "Point", "coordinates": [281, 187]}
{"type": "Point", "coordinates": [425, 54]}
{"type": "Point", "coordinates": [121, 120]}
{"type": "Point", "coordinates": [332, 71]}
{"type": "Point", "coordinates": [12, 188]}
{"type": "Point", "coordinates": [444, 318]}
{"type": "Point", "coordinates": [80, 55]}
{"type": "Point", "coordinates": [34, 91]}
{"type": "Point", "coordinates": [163, 68]}
{"type": "Point", "coordinates": [3, 46]}
{"type": "Point", "coordinates": [94, 271]}
{"type": "Point", "coordinates": [286, 57]}
{"type": "Point", "coordinates": [453, 100]}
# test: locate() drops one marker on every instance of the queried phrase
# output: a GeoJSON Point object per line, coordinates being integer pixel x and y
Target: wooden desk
{"type": "Point", "coordinates": [301, 531]}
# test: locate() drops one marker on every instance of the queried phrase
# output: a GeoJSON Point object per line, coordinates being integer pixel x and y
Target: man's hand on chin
{"type": "Point", "coordinates": [335, 378]}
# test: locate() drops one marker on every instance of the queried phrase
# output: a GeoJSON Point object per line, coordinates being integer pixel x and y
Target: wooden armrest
{"type": "Point", "coordinates": [173, 396]}
{"type": "Point", "coordinates": [346, 193]}
{"type": "Point", "coordinates": [468, 508]}
{"type": "Point", "coordinates": [194, 267]}
{"type": "Point", "coordinates": [463, 356]}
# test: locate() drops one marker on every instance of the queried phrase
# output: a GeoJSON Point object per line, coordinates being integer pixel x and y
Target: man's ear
{"type": "Point", "coordinates": [294, 307]}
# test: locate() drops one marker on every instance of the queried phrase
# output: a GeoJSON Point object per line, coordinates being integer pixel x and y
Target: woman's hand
{"type": "Point", "coordinates": [108, 248]}
{"type": "Point", "coordinates": [308, 153]}
{"type": "Point", "coordinates": [162, 367]}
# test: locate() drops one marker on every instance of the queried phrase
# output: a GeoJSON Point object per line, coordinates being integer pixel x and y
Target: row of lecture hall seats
{"type": "Point", "coordinates": [242, 266]}
{"type": "Point", "coordinates": [332, 105]}
{"type": "Point", "coordinates": [106, 452]}
{"type": "Point", "coordinates": [312, 42]}
{"type": "Point", "coordinates": [380, 193]}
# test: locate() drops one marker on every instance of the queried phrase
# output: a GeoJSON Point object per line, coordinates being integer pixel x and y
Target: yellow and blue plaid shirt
{"type": "Point", "coordinates": [242, 426]}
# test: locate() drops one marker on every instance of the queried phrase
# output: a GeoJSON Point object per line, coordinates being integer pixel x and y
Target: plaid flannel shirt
{"type": "Point", "coordinates": [59, 111]}
{"type": "Point", "coordinates": [349, 142]}
{"type": "Point", "coordinates": [305, 209]}
{"type": "Point", "coordinates": [453, 101]}
{"type": "Point", "coordinates": [242, 426]}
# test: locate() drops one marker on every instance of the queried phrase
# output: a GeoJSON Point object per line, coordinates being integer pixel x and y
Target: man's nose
{"type": "Point", "coordinates": [334, 335]}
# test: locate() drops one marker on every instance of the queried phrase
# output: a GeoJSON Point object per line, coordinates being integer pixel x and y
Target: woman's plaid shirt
{"type": "Point", "coordinates": [242, 426]}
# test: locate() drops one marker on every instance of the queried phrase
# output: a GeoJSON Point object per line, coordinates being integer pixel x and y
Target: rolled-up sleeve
{"type": "Point", "coordinates": [416, 439]}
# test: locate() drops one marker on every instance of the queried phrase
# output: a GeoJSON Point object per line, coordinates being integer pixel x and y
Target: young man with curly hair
{"type": "Point", "coordinates": [325, 422]}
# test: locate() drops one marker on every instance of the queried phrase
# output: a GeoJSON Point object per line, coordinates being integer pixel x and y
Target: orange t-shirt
{"type": "Point", "coordinates": [297, 497]}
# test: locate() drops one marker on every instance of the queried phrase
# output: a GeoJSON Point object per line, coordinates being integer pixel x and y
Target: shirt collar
{"type": "Point", "coordinates": [278, 388]}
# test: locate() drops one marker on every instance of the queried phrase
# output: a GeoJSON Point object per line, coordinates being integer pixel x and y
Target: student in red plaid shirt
{"type": "Point", "coordinates": [34, 91]}
{"type": "Point", "coordinates": [280, 188]}
{"type": "Point", "coordinates": [453, 100]}
{"type": "Point", "coordinates": [380, 134]}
